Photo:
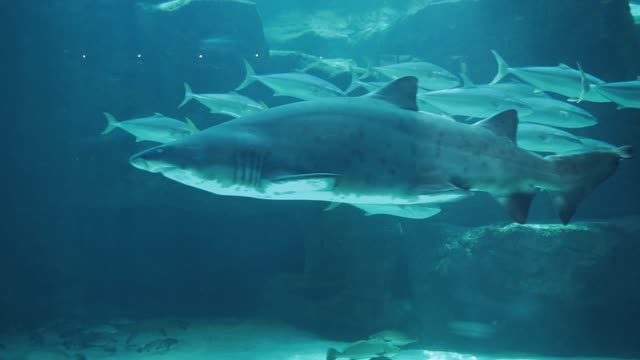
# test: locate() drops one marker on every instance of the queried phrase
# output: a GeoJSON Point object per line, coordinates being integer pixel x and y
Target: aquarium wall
{"type": "Point", "coordinates": [88, 239]}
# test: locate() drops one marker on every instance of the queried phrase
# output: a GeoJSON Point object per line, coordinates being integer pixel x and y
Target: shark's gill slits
{"type": "Point", "coordinates": [248, 167]}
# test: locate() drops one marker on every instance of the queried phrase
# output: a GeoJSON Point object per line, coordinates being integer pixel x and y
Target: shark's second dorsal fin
{"type": "Point", "coordinates": [400, 92]}
{"type": "Point", "coordinates": [503, 123]}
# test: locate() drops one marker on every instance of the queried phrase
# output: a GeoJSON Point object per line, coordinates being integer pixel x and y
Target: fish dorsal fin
{"type": "Point", "coordinates": [564, 66]}
{"type": "Point", "coordinates": [400, 92]}
{"type": "Point", "coordinates": [158, 114]}
{"type": "Point", "coordinates": [503, 123]}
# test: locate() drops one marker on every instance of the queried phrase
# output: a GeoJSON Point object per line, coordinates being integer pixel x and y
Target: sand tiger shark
{"type": "Point", "coordinates": [378, 150]}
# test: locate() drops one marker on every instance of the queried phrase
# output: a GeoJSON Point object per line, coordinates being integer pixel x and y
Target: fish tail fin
{"type": "Point", "coordinates": [503, 68]}
{"type": "Point", "coordinates": [191, 125]}
{"type": "Point", "coordinates": [584, 81]}
{"type": "Point", "coordinates": [582, 173]}
{"type": "Point", "coordinates": [249, 75]}
{"type": "Point", "coordinates": [354, 82]}
{"type": "Point", "coordinates": [112, 123]}
{"type": "Point", "coordinates": [332, 354]}
{"type": "Point", "coordinates": [188, 95]}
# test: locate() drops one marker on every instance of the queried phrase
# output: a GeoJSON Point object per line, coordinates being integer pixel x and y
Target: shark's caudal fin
{"type": "Point", "coordinates": [583, 172]}
{"type": "Point", "coordinates": [249, 76]}
{"type": "Point", "coordinates": [503, 68]}
{"type": "Point", "coordinates": [400, 92]}
{"type": "Point", "coordinates": [112, 123]}
{"type": "Point", "coordinates": [188, 95]}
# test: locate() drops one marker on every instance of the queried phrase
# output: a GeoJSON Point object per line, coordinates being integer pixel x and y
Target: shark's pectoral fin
{"type": "Point", "coordinates": [301, 183]}
{"type": "Point", "coordinates": [517, 205]}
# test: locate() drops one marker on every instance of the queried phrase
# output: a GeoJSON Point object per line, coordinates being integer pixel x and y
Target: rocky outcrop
{"type": "Point", "coordinates": [346, 289]}
{"type": "Point", "coordinates": [598, 34]}
{"type": "Point", "coordinates": [539, 287]}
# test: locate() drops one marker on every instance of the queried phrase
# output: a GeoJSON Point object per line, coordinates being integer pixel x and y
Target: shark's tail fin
{"type": "Point", "coordinates": [112, 123]}
{"type": "Point", "coordinates": [188, 95]}
{"type": "Point", "coordinates": [332, 354]}
{"type": "Point", "coordinates": [503, 68]}
{"type": "Point", "coordinates": [249, 76]}
{"type": "Point", "coordinates": [581, 173]}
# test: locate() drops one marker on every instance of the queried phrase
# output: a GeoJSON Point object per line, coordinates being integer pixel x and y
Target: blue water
{"type": "Point", "coordinates": [86, 236]}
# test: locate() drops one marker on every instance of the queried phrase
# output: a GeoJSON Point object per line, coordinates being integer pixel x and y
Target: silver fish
{"type": "Point", "coordinates": [560, 79]}
{"type": "Point", "coordinates": [231, 104]}
{"type": "Point", "coordinates": [156, 128]}
{"type": "Point", "coordinates": [297, 85]}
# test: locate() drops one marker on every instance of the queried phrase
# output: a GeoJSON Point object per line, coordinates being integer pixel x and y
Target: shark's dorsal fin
{"type": "Point", "coordinates": [400, 92]}
{"type": "Point", "coordinates": [158, 114]}
{"type": "Point", "coordinates": [564, 66]}
{"type": "Point", "coordinates": [503, 123]}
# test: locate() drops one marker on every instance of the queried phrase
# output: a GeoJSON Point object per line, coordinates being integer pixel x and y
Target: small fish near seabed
{"type": "Point", "coordinates": [231, 104]}
{"type": "Point", "coordinates": [298, 85]}
{"type": "Point", "coordinates": [363, 349]}
{"type": "Point", "coordinates": [156, 128]}
{"type": "Point", "coordinates": [393, 337]}
{"type": "Point", "coordinates": [376, 149]}
{"type": "Point", "coordinates": [561, 79]}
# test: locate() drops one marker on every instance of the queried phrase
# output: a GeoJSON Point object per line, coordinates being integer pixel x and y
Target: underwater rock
{"type": "Point", "coordinates": [346, 289]}
{"type": "Point", "coordinates": [158, 346]}
{"type": "Point", "coordinates": [447, 32]}
{"type": "Point", "coordinates": [527, 284]}
{"type": "Point", "coordinates": [528, 32]}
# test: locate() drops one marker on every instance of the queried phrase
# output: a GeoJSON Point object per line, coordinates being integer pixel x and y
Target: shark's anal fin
{"type": "Point", "coordinates": [400, 92]}
{"type": "Point", "coordinates": [517, 205]}
{"type": "Point", "coordinates": [302, 183]}
{"type": "Point", "coordinates": [504, 123]}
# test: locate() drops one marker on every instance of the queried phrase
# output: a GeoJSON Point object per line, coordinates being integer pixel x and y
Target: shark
{"type": "Point", "coordinates": [377, 149]}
